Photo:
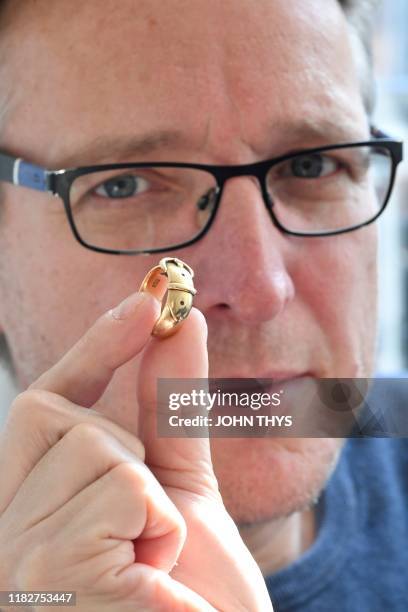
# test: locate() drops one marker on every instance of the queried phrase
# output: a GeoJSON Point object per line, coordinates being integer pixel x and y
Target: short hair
{"type": "Point", "coordinates": [360, 15]}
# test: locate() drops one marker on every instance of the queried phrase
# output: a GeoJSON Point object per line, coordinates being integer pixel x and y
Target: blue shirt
{"type": "Point", "coordinates": [359, 560]}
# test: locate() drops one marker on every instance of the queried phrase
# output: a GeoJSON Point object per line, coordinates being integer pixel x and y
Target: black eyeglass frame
{"type": "Point", "coordinates": [58, 182]}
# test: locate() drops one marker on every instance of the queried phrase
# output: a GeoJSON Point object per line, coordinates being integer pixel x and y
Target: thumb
{"type": "Point", "coordinates": [183, 462]}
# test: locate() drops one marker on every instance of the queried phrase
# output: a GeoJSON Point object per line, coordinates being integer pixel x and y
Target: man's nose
{"type": "Point", "coordinates": [241, 263]}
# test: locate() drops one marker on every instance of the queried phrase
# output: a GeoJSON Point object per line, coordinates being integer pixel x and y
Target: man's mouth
{"type": "Point", "coordinates": [256, 384]}
{"type": "Point", "coordinates": [273, 396]}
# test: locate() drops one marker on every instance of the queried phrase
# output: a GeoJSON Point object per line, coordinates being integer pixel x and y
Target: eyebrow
{"type": "Point", "coordinates": [326, 130]}
{"type": "Point", "coordinates": [109, 148]}
{"type": "Point", "coordinates": [106, 148]}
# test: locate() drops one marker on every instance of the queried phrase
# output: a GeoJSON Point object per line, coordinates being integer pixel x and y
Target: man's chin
{"type": "Point", "coordinates": [265, 479]}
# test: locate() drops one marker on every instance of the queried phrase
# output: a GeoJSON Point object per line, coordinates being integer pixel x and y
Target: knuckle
{"type": "Point", "coordinates": [127, 439]}
{"type": "Point", "coordinates": [100, 441]}
{"type": "Point", "coordinates": [92, 442]}
{"type": "Point", "coordinates": [28, 404]}
{"type": "Point", "coordinates": [87, 434]}
{"type": "Point", "coordinates": [138, 448]}
{"type": "Point", "coordinates": [128, 476]}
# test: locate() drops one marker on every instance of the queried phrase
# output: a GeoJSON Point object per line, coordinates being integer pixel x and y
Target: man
{"type": "Point", "coordinates": [204, 82]}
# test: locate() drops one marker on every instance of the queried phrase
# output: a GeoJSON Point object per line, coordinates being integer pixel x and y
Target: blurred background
{"type": "Point", "coordinates": [391, 116]}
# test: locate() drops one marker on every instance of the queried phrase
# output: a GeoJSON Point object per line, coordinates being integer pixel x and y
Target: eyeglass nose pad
{"type": "Point", "coordinates": [208, 199]}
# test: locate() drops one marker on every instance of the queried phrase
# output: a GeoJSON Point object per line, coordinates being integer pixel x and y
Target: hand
{"type": "Point", "coordinates": [85, 507]}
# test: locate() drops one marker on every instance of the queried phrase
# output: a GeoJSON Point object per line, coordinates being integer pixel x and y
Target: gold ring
{"type": "Point", "coordinates": [180, 293]}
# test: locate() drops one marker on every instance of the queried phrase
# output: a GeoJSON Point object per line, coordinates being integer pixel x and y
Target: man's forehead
{"type": "Point", "coordinates": [204, 64]}
{"type": "Point", "coordinates": [152, 30]}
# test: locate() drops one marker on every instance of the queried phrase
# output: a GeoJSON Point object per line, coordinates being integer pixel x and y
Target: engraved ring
{"type": "Point", "coordinates": [180, 293]}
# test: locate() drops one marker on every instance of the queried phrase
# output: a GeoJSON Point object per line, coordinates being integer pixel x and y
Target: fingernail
{"type": "Point", "coordinates": [129, 306]}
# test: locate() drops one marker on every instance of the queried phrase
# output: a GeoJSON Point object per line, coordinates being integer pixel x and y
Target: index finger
{"type": "Point", "coordinates": [55, 402]}
{"type": "Point", "coordinates": [84, 372]}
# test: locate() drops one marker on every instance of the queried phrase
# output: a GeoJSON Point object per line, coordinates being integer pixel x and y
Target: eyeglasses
{"type": "Point", "coordinates": [134, 208]}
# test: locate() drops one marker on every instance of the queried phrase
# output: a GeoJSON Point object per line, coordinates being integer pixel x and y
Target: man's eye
{"type": "Point", "coordinates": [312, 166]}
{"type": "Point", "coordinates": [122, 187]}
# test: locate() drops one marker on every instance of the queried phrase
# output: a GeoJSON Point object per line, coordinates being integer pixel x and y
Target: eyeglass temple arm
{"type": "Point", "coordinates": [19, 172]}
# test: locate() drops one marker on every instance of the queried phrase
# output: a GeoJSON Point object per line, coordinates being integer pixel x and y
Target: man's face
{"type": "Point", "coordinates": [238, 81]}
